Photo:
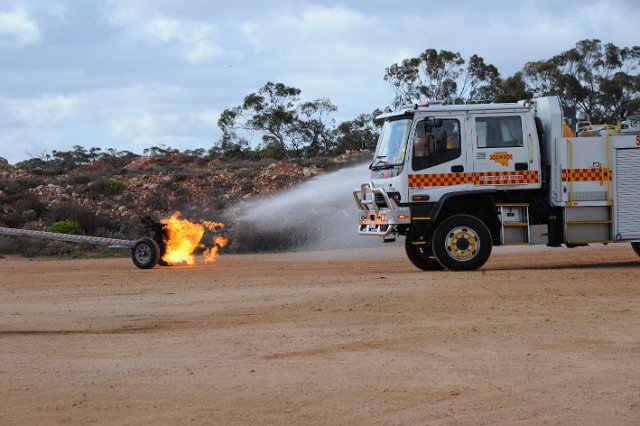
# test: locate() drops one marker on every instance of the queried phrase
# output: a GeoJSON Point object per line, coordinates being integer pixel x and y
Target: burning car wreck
{"type": "Point", "coordinates": [174, 240]}
{"type": "Point", "coordinates": [170, 241]}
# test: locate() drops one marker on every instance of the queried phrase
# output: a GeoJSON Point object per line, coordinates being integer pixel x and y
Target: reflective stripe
{"type": "Point", "coordinates": [586, 175]}
{"type": "Point", "coordinates": [477, 178]}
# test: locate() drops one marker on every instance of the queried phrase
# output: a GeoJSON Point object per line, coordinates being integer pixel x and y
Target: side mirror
{"type": "Point", "coordinates": [432, 122]}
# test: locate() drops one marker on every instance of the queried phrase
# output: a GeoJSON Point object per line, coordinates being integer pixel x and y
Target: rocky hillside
{"type": "Point", "coordinates": [109, 196]}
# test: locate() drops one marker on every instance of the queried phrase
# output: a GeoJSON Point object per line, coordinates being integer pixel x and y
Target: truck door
{"type": "Point", "coordinates": [438, 158]}
{"type": "Point", "coordinates": [505, 150]}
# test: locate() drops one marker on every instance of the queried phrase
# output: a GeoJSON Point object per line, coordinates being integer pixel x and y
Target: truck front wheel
{"type": "Point", "coordinates": [462, 243]}
{"type": "Point", "coordinates": [421, 255]}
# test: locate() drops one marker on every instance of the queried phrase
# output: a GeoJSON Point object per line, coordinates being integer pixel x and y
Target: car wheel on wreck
{"type": "Point", "coordinates": [145, 253]}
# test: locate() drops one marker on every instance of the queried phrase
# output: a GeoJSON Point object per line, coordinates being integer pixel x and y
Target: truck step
{"type": "Point", "coordinates": [514, 220]}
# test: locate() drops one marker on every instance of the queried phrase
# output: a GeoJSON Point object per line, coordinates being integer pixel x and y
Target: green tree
{"type": "Point", "coordinates": [230, 145]}
{"type": "Point", "coordinates": [287, 126]}
{"type": "Point", "coordinates": [442, 75]}
{"type": "Point", "coordinates": [481, 81]}
{"type": "Point", "coordinates": [360, 133]}
{"type": "Point", "coordinates": [312, 130]}
{"type": "Point", "coordinates": [513, 89]}
{"type": "Point", "coordinates": [592, 80]}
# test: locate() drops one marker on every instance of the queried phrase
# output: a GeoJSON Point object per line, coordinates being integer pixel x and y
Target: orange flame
{"type": "Point", "coordinates": [183, 237]}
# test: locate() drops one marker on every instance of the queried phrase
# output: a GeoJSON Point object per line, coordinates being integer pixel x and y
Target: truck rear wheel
{"type": "Point", "coordinates": [146, 253]}
{"type": "Point", "coordinates": [636, 248]}
{"type": "Point", "coordinates": [421, 256]}
{"type": "Point", "coordinates": [462, 243]}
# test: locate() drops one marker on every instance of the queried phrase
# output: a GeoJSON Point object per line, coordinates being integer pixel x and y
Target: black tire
{"type": "Point", "coordinates": [146, 253]}
{"type": "Point", "coordinates": [421, 255]}
{"type": "Point", "coordinates": [636, 248]}
{"type": "Point", "coordinates": [462, 243]}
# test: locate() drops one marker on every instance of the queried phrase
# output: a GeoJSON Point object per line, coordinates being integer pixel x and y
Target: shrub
{"type": "Point", "coordinates": [30, 202]}
{"type": "Point", "coordinates": [118, 228]}
{"type": "Point", "coordinates": [31, 247]}
{"type": "Point", "coordinates": [106, 187]}
{"type": "Point", "coordinates": [114, 187]}
{"type": "Point", "coordinates": [8, 245]}
{"type": "Point", "coordinates": [10, 187]}
{"type": "Point", "coordinates": [11, 220]}
{"type": "Point", "coordinates": [66, 227]}
{"type": "Point", "coordinates": [81, 214]}
{"type": "Point", "coordinates": [219, 204]}
{"type": "Point", "coordinates": [30, 182]}
{"type": "Point", "coordinates": [77, 180]}
{"type": "Point", "coordinates": [325, 163]}
{"type": "Point", "coordinates": [158, 201]}
{"type": "Point", "coordinates": [247, 173]}
{"type": "Point", "coordinates": [246, 186]}
{"type": "Point", "coordinates": [9, 199]}
{"type": "Point", "coordinates": [28, 215]}
{"type": "Point", "coordinates": [180, 177]}
{"type": "Point", "coordinates": [182, 198]}
{"type": "Point", "coordinates": [181, 191]}
{"type": "Point", "coordinates": [26, 207]}
{"type": "Point", "coordinates": [75, 251]}
{"type": "Point", "coordinates": [128, 199]}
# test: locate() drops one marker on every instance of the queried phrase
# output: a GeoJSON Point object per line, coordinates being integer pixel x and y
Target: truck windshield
{"type": "Point", "coordinates": [392, 144]}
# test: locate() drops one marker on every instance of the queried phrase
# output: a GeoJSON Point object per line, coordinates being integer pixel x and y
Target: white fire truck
{"type": "Point", "coordinates": [458, 179]}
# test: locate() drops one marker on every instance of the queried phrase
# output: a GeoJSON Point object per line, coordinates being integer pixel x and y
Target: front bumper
{"type": "Point", "coordinates": [379, 214]}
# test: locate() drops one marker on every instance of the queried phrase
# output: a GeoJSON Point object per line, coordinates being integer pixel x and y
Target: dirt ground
{"type": "Point", "coordinates": [538, 336]}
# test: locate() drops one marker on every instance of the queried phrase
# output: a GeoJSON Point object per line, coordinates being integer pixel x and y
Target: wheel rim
{"type": "Point", "coordinates": [462, 243]}
{"type": "Point", "coordinates": [143, 253]}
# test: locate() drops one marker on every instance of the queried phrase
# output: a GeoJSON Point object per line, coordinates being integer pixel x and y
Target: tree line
{"type": "Point", "coordinates": [595, 81]}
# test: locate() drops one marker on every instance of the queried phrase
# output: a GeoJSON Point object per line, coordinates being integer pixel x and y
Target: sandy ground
{"type": "Point", "coordinates": [538, 336]}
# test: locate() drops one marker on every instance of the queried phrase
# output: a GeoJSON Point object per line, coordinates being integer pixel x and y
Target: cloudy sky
{"type": "Point", "coordinates": [136, 73]}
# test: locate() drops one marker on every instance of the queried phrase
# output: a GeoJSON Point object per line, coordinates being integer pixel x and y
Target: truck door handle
{"type": "Point", "coordinates": [457, 169]}
{"type": "Point", "coordinates": [522, 166]}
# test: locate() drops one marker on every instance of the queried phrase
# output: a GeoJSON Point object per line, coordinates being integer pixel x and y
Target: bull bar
{"type": "Point", "coordinates": [377, 220]}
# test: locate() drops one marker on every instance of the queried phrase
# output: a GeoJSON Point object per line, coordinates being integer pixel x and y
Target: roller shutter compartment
{"type": "Point", "coordinates": [627, 181]}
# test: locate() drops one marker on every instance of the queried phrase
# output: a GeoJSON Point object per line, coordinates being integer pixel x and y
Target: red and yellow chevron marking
{"type": "Point", "coordinates": [437, 179]}
{"type": "Point", "coordinates": [586, 175]}
{"type": "Point", "coordinates": [477, 178]}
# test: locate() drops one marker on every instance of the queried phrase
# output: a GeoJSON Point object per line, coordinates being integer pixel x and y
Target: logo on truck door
{"type": "Point", "coordinates": [501, 157]}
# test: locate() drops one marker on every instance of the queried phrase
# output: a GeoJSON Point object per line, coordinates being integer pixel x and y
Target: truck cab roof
{"type": "Point", "coordinates": [454, 109]}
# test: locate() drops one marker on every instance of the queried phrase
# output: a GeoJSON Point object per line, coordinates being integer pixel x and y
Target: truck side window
{"type": "Point", "coordinates": [437, 145]}
{"type": "Point", "coordinates": [499, 132]}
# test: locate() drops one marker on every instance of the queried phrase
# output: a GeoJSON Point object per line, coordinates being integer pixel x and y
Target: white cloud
{"type": "Point", "coordinates": [59, 12]}
{"type": "Point", "coordinates": [17, 30]}
{"type": "Point", "coordinates": [132, 122]}
{"type": "Point", "coordinates": [208, 117]}
{"type": "Point", "coordinates": [313, 25]}
{"type": "Point", "coordinates": [196, 41]}
{"type": "Point", "coordinates": [45, 110]}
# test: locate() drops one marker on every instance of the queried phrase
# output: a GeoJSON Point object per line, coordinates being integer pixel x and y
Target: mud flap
{"type": "Point", "coordinates": [421, 223]}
